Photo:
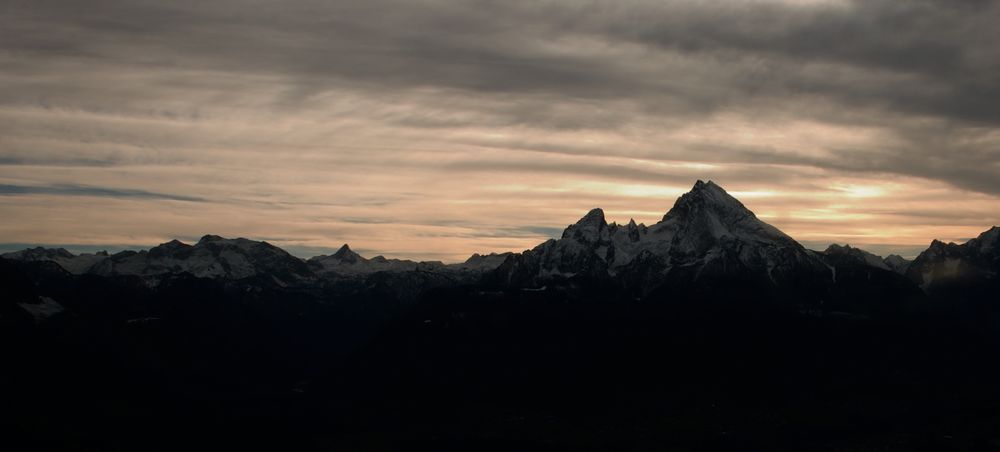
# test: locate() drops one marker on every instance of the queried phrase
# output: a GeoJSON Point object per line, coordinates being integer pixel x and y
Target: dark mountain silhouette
{"type": "Point", "coordinates": [974, 262]}
{"type": "Point", "coordinates": [708, 330]}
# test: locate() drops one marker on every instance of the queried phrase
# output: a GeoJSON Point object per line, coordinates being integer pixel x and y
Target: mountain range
{"type": "Point", "coordinates": [707, 236]}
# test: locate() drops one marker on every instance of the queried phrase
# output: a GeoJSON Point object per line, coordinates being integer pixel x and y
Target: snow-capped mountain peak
{"type": "Point", "coordinates": [706, 196]}
{"type": "Point", "coordinates": [708, 214]}
{"type": "Point", "coordinates": [707, 231]}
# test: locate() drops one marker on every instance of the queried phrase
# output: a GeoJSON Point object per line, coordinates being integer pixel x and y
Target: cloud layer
{"type": "Point", "coordinates": [435, 129]}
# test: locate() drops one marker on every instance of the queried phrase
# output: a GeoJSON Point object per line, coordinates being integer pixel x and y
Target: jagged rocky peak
{"type": "Point", "coordinates": [633, 231]}
{"type": "Point", "coordinates": [847, 249]}
{"type": "Point", "coordinates": [707, 215]}
{"type": "Point", "coordinates": [345, 254]}
{"type": "Point", "coordinates": [707, 197]}
{"type": "Point", "coordinates": [938, 248]}
{"type": "Point", "coordinates": [592, 228]}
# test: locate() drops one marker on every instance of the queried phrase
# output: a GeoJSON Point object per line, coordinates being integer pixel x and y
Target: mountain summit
{"type": "Point", "coordinates": [344, 254]}
{"type": "Point", "coordinates": [708, 234]}
{"type": "Point", "coordinates": [706, 196]}
{"type": "Point", "coordinates": [591, 228]}
{"type": "Point", "coordinates": [708, 214]}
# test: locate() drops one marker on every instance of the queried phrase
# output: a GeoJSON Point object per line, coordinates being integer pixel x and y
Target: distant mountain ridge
{"type": "Point", "coordinates": [211, 257]}
{"type": "Point", "coordinates": [708, 235]}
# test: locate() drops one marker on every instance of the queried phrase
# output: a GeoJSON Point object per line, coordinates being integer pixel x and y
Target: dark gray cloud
{"type": "Point", "coordinates": [62, 161]}
{"type": "Point", "coordinates": [538, 47]}
{"type": "Point", "coordinates": [82, 190]}
{"type": "Point", "coordinates": [901, 65]}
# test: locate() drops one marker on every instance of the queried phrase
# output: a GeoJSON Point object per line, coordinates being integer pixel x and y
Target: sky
{"type": "Point", "coordinates": [438, 129]}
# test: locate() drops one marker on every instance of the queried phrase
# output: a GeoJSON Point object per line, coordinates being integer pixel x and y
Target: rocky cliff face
{"type": "Point", "coordinates": [974, 262]}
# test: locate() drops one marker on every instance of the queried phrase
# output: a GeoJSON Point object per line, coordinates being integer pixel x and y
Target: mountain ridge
{"type": "Point", "coordinates": [707, 234]}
